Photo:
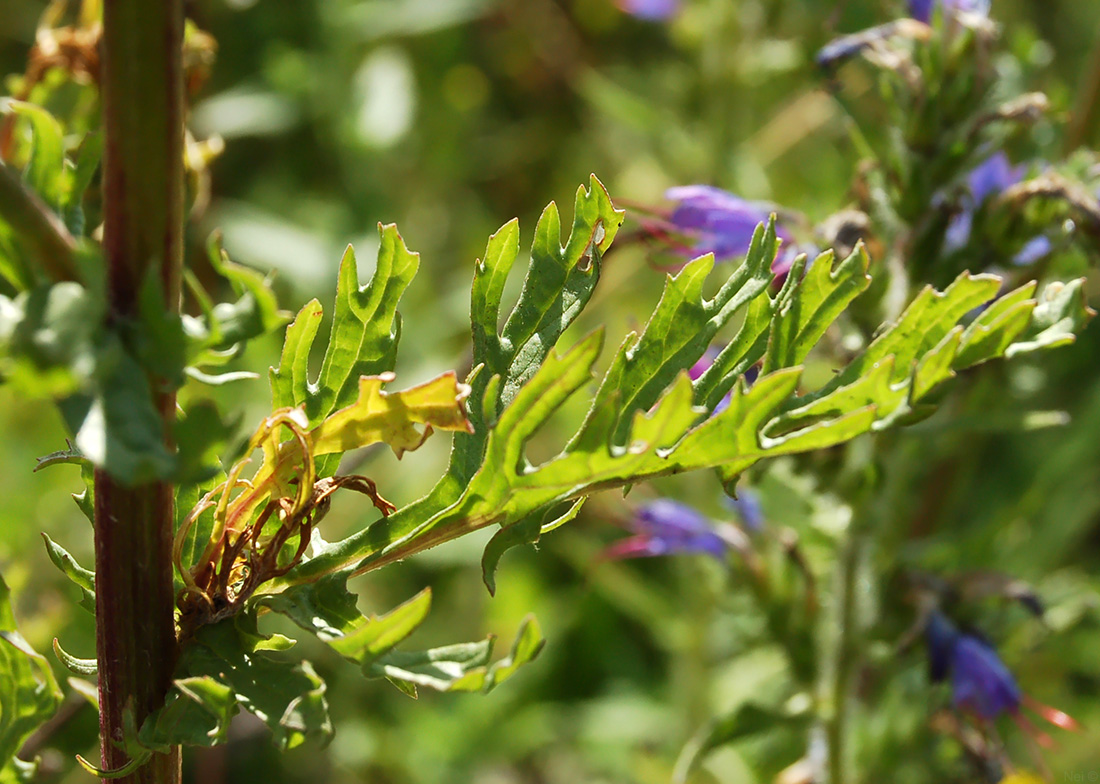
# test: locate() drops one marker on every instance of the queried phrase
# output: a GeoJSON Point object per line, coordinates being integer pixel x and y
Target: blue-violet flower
{"type": "Point", "coordinates": [652, 10]}
{"type": "Point", "coordinates": [666, 527]}
{"type": "Point", "coordinates": [981, 684]}
{"type": "Point", "coordinates": [985, 181]}
{"type": "Point", "coordinates": [921, 10]}
{"type": "Point", "coordinates": [716, 221]}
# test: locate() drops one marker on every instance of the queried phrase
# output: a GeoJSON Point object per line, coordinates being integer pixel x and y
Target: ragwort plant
{"type": "Point", "coordinates": [192, 551]}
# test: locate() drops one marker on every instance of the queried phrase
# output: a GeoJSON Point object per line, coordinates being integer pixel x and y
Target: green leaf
{"type": "Point", "coordinates": [1061, 313]}
{"type": "Point", "coordinates": [325, 607]}
{"type": "Point", "coordinates": [53, 343]}
{"type": "Point", "coordinates": [28, 691]}
{"type": "Point", "coordinates": [199, 708]}
{"type": "Point", "coordinates": [926, 346]}
{"type": "Point", "coordinates": [804, 310]}
{"type": "Point", "coordinates": [84, 499]}
{"type": "Point", "coordinates": [224, 328]}
{"type": "Point", "coordinates": [225, 667]}
{"type": "Point", "coordinates": [745, 290]}
{"type": "Point", "coordinates": [490, 277]}
{"type": "Point", "coordinates": [219, 379]}
{"type": "Point", "coordinates": [662, 441]}
{"type": "Point", "coordinates": [135, 762]}
{"type": "Point", "coordinates": [256, 311]}
{"type": "Point", "coordinates": [328, 610]}
{"type": "Point", "coordinates": [923, 324]}
{"type": "Point", "coordinates": [156, 337]}
{"type": "Point", "coordinates": [379, 634]}
{"type": "Point", "coordinates": [18, 771]}
{"type": "Point", "coordinates": [646, 419]}
{"type": "Point", "coordinates": [48, 339]}
{"type": "Point", "coordinates": [643, 422]}
{"type": "Point", "coordinates": [66, 455]}
{"type": "Point", "coordinates": [560, 280]}
{"type": "Point", "coordinates": [117, 426]}
{"type": "Point", "coordinates": [86, 667]}
{"type": "Point", "coordinates": [89, 691]}
{"type": "Point", "coordinates": [363, 340]}
{"type": "Point", "coordinates": [680, 330]}
{"type": "Point", "coordinates": [14, 263]}
{"type": "Point", "coordinates": [136, 754]}
{"type": "Point", "coordinates": [749, 718]}
{"type": "Point", "coordinates": [201, 436]}
{"type": "Point", "coordinates": [935, 367]}
{"type": "Point", "coordinates": [462, 667]}
{"type": "Point", "coordinates": [197, 711]}
{"type": "Point", "coordinates": [81, 174]}
{"type": "Point", "coordinates": [83, 578]}
{"type": "Point", "coordinates": [45, 171]}
{"type": "Point", "coordinates": [526, 531]}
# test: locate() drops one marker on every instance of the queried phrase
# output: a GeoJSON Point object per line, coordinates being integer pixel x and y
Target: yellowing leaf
{"type": "Point", "coordinates": [391, 417]}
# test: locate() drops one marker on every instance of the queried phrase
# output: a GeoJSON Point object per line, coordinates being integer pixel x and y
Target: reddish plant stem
{"type": "Point", "coordinates": [135, 634]}
{"type": "Point", "coordinates": [142, 92]}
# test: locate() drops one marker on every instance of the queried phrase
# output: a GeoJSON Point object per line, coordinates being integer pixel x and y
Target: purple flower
{"type": "Point", "coordinates": [989, 178]}
{"type": "Point", "coordinates": [921, 10]}
{"type": "Point", "coordinates": [981, 684]}
{"type": "Point", "coordinates": [836, 52]}
{"type": "Point", "coordinates": [666, 527]}
{"type": "Point", "coordinates": [957, 233]}
{"type": "Point", "coordinates": [753, 373]}
{"type": "Point", "coordinates": [703, 363]}
{"type": "Point", "coordinates": [992, 176]}
{"type": "Point", "coordinates": [715, 221]}
{"type": "Point", "coordinates": [1033, 250]}
{"type": "Point", "coordinates": [652, 10]}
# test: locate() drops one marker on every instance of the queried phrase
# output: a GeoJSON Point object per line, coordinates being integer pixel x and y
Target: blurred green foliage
{"type": "Point", "coordinates": [449, 116]}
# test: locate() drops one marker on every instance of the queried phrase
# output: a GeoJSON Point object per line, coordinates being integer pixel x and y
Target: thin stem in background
{"type": "Point", "coordinates": [142, 94]}
{"type": "Point", "coordinates": [846, 652]}
{"type": "Point", "coordinates": [1087, 103]}
{"type": "Point", "coordinates": [854, 582]}
{"type": "Point", "coordinates": [719, 82]}
{"type": "Point", "coordinates": [43, 235]}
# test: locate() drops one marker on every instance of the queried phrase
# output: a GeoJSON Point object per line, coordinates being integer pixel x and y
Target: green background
{"type": "Point", "coordinates": [449, 117]}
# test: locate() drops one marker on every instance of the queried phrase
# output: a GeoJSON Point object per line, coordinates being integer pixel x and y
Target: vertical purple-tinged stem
{"type": "Point", "coordinates": [142, 90]}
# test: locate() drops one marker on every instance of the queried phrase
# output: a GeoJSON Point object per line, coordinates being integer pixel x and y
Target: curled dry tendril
{"type": "Point", "coordinates": [262, 526]}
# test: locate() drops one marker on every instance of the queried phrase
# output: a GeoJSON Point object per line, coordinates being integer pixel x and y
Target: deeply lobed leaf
{"type": "Point", "coordinates": [227, 666]}
{"type": "Point", "coordinates": [645, 421]}
{"type": "Point", "coordinates": [28, 692]}
{"type": "Point", "coordinates": [646, 417]}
